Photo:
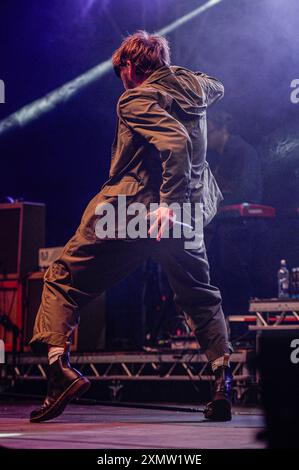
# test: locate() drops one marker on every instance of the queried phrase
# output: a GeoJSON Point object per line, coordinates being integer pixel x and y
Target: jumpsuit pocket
{"type": "Point", "coordinates": [128, 186]}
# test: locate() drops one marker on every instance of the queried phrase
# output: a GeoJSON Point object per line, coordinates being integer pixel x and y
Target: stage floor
{"type": "Point", "coordinates": [106, 427]}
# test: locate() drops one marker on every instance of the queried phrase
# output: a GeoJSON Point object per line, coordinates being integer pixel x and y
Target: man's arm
{"type": "Point", "coordinates": [212, 88]}
{"type": "Point", "coordinates": [143, 112]}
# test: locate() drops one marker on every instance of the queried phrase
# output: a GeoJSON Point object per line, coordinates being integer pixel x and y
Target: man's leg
{"type": "Point", "coordinates": [188, 274]}
{"type": "Point", "coordinates": [83, 271]}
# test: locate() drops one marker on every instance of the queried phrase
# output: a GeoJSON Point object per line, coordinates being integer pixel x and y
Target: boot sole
{"type": "Point", "coordinates": [221, 411]}
{"type": "Point", "coordinates": [76, 389]}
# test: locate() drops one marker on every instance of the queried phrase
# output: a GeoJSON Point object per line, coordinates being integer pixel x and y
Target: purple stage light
{"type": "Point", "coordinates": [87, 5]}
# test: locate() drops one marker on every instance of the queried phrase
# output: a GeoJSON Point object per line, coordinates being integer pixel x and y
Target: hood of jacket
{"type": "Point", "coordinates": [182, 84]}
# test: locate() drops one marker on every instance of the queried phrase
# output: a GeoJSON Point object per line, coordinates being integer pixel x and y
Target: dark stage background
{"type": "Point", "coordinates": [63, 158]}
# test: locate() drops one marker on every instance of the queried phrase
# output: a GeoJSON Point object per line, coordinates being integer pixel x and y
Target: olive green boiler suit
{"type": "Point", "coordinates": [158, 155]}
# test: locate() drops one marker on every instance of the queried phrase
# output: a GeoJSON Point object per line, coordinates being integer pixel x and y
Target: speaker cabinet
{"type": "Point", "coordinates": [279, 371]}
{"type": "Point", "coordinates": [10, 313]}
{"type": "Point", "coordinates": [91, 333]}
{"type": "Point", "coordinates": [22, 233]}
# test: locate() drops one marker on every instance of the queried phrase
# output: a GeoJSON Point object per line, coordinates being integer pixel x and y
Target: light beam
{"type": "Point", "coordinates": [37, 108]}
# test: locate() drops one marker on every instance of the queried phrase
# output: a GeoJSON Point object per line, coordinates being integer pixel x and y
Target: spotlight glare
{"type": "Point", "coordinates": [62, 94]}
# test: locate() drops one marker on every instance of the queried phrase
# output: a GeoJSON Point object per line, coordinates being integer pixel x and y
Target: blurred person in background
{"type": "Point", "coordinates": [231, 243]}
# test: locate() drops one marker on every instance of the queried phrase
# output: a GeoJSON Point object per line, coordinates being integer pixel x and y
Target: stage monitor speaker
{"type": "Point", "coordinates": [279, 371]}
{"type": "Point", "coordinates": [10, 313]}
{"type": "Point", "coordinates": [91, 334]}
{"type": "Point", "coordinates": [22, 233]}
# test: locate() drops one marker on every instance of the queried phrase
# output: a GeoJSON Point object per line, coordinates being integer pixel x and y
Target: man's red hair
{"type": "Point", "coordinates": [147, 52]}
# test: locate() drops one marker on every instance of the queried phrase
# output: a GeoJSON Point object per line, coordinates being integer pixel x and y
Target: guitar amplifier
{"type": "Point", "coordinates": [22, 233]}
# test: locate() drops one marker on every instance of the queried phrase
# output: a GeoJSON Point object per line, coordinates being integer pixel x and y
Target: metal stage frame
{"type": "Point", "coordinates": [121, 367]}
{"type": "Point", "coordinates": [165, 365]}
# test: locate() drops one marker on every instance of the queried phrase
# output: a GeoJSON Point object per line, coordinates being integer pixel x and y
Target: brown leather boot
{"type": "Point", "coordinates": [64, 384]}
{"type": "Point", "coordinates": [219, 409]}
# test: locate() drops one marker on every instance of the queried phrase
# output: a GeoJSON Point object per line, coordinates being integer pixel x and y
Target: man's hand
{"type": "Point", "coordinates": [161, 219]}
